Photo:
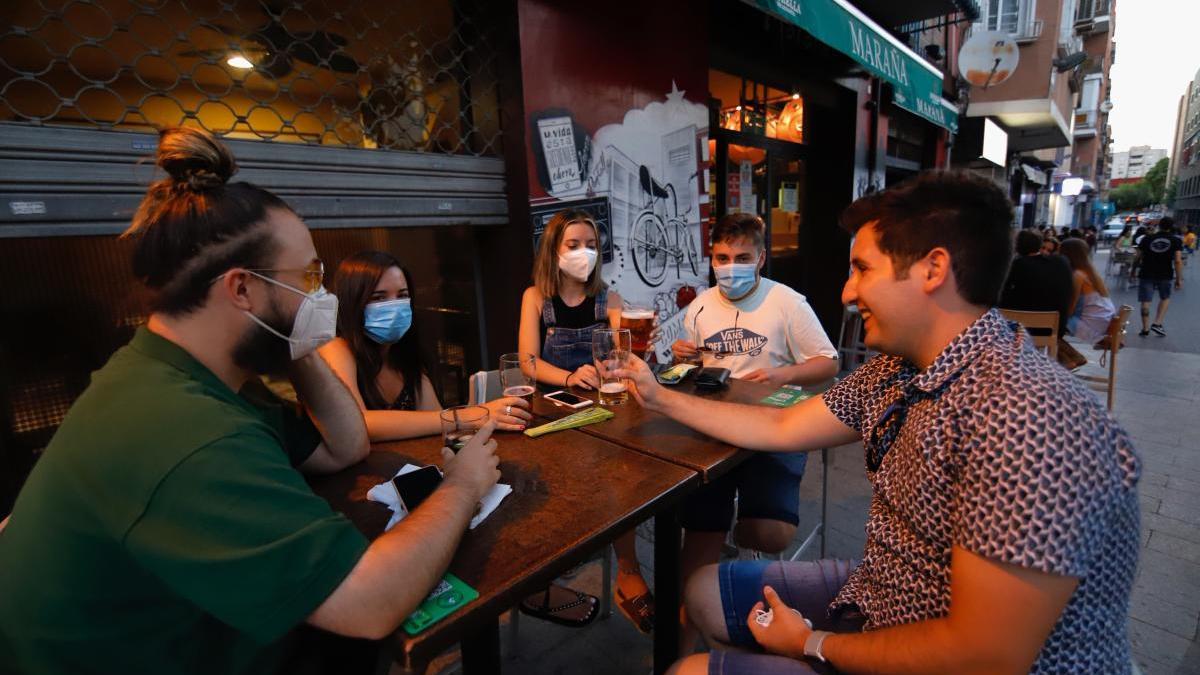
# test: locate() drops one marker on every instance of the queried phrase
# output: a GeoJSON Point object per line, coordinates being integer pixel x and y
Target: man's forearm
{"type": "Point", "coordinates": [332, 408]}
{"type": "Point", "coordinates": [926, 647]}
{"type": "Point", "coordinates": [399, 568]}
{"type": "Point", "coordinates": [405, 563]}
{"type": "Point", "coordinates": [745, 426]}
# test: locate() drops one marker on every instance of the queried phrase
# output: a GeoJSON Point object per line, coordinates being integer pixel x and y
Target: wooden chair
{"type": "Point", "coordinates": [1116, 333]}
{"type": "Point", "coordinates": [1046, 324]}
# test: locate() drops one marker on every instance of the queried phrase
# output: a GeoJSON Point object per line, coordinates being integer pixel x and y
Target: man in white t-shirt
{"type": "Point", "coordinates": [761, 331]}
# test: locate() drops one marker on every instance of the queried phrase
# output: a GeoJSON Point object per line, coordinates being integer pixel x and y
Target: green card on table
{"type": "Point", "coordinates": [445, 599]}
{"type": "Point", "coordinates": [787, 395]}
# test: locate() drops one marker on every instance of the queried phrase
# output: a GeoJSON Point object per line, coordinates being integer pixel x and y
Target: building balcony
{"type": "Point", "coordinates": [1092, 17]}
{"type": "Point", "coordinates": [1030, 32]}
{"type": "Point", "coordinates": [1096, 25]}
{"type": "Point", "coordinates": [894, 14]}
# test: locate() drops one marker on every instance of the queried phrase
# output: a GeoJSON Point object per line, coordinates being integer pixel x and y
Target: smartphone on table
{"type": "Point", "coordinates": [563, 397]}
{"type": "Point", "coordinates": [415, 486]}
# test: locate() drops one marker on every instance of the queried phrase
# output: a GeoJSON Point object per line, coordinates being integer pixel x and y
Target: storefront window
{"type": "Point", "coordinates": [416, 76]}
{"type": "Point", "coordinates": [755, 108]}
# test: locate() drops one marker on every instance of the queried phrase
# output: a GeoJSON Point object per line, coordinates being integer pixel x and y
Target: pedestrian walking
{"type": "Point", "coordinates": [1161, 261]}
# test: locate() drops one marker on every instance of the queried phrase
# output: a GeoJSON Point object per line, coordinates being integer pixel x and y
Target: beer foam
{"type": "Point", "coordinates": [637, 314]}
{"type": "Point", "coordinates": [612, 388]}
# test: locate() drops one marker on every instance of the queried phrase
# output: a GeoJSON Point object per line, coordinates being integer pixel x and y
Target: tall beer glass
{"type": "Point", "coordinates": [611, 349]}
{"type": "Point", "coordinates": [640, 322]}
{"type": "Point", "coordinates": [517, 376]}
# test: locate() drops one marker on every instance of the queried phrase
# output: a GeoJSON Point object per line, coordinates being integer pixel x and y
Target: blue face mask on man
{"type": "Point", "coordinates": [736, 280]}
{"type": "Point", "coordinates": [388, 320]}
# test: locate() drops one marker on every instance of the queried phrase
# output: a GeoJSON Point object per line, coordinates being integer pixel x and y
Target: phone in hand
{"type": "Point", "coordinates": [415, 486]}
{"type": "Point", "coordinates": [568, 399]}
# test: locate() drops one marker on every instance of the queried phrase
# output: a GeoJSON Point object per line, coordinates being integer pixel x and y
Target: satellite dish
{"type": "Point", "coordinates": [988, 58]}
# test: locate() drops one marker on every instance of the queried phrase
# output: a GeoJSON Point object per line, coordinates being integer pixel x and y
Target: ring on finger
{"type": "Point", "coordinates": [508, 410]}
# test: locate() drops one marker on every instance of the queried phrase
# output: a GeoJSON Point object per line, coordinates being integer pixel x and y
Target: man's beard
{"type": "Point", "coordinates": [261, 352]}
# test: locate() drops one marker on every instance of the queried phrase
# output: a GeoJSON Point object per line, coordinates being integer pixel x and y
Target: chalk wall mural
{"type": "Point", "coordinates": [641, 179]}
{"type": "Point", "coordinates": [616, 123]}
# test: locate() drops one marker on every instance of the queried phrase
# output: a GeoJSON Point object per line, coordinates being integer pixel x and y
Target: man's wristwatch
{"type": "Point", "coordinates": [812, 646]}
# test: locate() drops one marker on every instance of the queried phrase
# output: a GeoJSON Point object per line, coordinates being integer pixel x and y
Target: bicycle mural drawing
{"type": "Point", "coordinates": [659, 236]}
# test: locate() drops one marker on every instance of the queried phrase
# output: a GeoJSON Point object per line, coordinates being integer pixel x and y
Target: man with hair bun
{"type": "Point", "coordinates": [167, 527]}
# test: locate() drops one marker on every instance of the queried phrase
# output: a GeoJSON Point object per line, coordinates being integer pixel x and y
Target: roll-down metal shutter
{"type": "Point", "coordinates": [62, 181]}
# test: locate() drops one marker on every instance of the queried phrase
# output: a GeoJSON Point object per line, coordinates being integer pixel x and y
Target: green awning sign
{"type": "Point", "coordinates": [917, 84]}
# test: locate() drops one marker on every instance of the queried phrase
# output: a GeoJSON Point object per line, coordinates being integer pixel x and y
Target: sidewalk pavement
{"type": "Point", "coordinates": [1158, 396]}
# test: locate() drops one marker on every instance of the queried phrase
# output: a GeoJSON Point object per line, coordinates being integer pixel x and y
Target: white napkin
{"type": "Point", "coordinates": [385, 493]}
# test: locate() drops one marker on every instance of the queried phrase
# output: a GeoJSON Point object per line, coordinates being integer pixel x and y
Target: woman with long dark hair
{"type": "Point", "coordinates": [377, 353]}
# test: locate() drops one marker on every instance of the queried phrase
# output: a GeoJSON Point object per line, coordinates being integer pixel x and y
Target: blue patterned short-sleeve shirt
{"type": "Point", "coordinates": [1005, 454]}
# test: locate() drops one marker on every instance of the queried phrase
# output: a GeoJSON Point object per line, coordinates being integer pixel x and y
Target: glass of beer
{"type": "Point", "coordinates": [640, 322]}
{"type": "Point", "coordinates": [611, 348]}
{"type": "Point", "coordinates": [460, 423]}
{"type": "Point", "coordinates": [517, 376]}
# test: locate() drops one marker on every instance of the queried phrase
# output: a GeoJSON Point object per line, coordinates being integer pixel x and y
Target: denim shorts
{"type": "Point", "coordinates": [808, 587]}
{"type": "Point", "coordinates": [1146, 288]}
{"type": "Point", "coordinates": [766, 486]}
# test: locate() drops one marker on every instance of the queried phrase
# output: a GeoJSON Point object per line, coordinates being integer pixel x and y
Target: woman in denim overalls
{"type": "Point", "coordinates": [566, 303]}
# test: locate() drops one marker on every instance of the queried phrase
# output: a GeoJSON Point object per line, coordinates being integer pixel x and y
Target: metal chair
{"type": "Point", "coordinates": [1045, 323]}
{"type": "Point", "coordinates": [1123, 262]}
{"type": "Point", "coordinates": [851, 350]}
{"type": "Point", "coordinates": [1116, 333]}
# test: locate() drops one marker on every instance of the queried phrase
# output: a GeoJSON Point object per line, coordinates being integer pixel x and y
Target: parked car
{"type": "Point", "coordinates": [1112, 229]}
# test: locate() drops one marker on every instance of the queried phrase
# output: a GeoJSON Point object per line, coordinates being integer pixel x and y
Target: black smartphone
{"type": "Point", "coordinates": [415, 486]}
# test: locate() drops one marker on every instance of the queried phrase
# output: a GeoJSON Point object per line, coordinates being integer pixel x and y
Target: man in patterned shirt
{"type": "Point", "coordinates": [1003, 527]}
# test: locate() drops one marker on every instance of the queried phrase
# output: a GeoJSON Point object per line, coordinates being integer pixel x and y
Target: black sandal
{"type": "Point", "coordinates": [546, 612]}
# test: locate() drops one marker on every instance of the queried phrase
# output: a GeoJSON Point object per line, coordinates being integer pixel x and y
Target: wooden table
{"type": "Point", "coordinates": [659, 436]}
{"type": "Point", "coordinates": [572, 494]}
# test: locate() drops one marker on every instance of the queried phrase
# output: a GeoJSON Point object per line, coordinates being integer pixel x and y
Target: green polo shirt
{"type": "Point", "coordinates": [166, 529]}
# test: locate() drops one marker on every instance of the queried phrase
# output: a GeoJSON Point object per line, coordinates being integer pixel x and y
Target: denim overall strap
{"type": "Point", "coordinates": [570, 348]}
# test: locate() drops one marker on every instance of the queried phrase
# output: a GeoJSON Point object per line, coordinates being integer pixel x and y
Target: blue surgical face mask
{"type": "Point", "coordinates": [736, 280]}
{"type": "Point", "coordinates": [388, 320]}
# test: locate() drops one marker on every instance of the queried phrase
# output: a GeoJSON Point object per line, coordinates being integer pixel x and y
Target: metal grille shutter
{"type": "Point", "coordinates": [62, 181]}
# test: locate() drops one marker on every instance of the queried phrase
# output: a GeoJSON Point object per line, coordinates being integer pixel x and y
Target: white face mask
{"type": "Point", "coordinates": [578, 263]}
{"type": "Point", "coordinates": [316, 320]}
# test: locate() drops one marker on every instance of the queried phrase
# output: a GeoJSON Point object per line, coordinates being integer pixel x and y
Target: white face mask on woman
{"type": "Point", "coordinates": [315, 323]}
{"type": "Point", "coordinates": [578, 263]}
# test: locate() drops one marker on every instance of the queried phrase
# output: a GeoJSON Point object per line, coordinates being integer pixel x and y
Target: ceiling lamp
{"type": "Point", "coordinates": [240, 62]}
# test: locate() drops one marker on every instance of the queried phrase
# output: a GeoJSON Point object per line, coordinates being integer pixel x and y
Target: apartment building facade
{"type": "Point", "coordinates": [1055, 106]}
{"type": "Point", "coordinates": [1136, 161]}
{"type": "Point", "coordinates": [1186, 166]}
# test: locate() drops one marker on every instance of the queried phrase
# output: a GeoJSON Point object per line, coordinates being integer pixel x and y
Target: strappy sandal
{"type": "Point", "coordinates": [638, 609]}
{"type": "Point", "coordinates": [546, 612]}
